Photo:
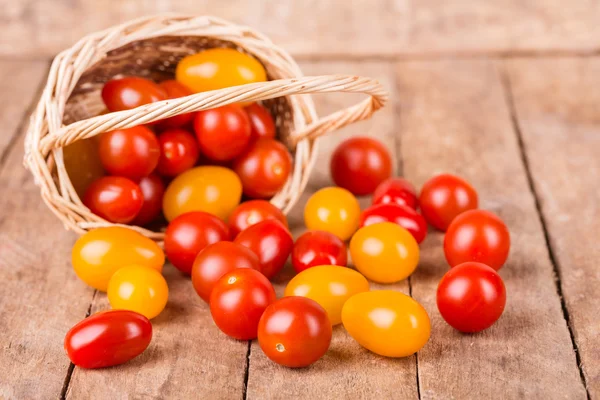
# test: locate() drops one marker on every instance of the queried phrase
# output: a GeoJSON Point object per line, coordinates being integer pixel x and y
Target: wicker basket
{"type": "Point", "coordinates": [151, 47]}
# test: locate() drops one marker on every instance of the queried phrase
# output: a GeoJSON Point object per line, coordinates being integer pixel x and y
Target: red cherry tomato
{"type": "Point", "coordinates": [294, 332]}
{"type": "Point", "coordinates": [404, 216]}
{"type": "Point", "coordinates": [238, 300]}
{"type": "Point", "coordinates": [471, 297]}
{"type": "Point", "coordinates": [271, 242]}
{"type": "Point", "coordinates": [114, 198]}
{"type": "Point", "coordinates": [216, 260]}
{"type": "Point", "coordinates": [445, 196]}
{"type": "Point", "coordinates": [173, 90]}
{"type": "Point", "coordinates": [188, 234]}
{"type": "Point", "coordinates": [178, 152]}
{"type": "Point", "coordinates": [261, 122]}
{"type": "Point", "coordinates": [108, 338]}
{"type": "Point", "coordinates": [263, 168]}
{"type": "Point", "coordinates": [152, 188]}
{"type": "Point", "coordinates": [396, 191]}
{"type": "Point", "coordinates": [318, 248]}
{"type": "Point", "coordinates": [252, 212]}
{"type": "Point", "coordinates": [360, 164]}
{"type": "Point", "coordinates": [130, 92]}
{"type": "Point", "coordinates": [223, 133]}
{"type": "Point", "coordinates": [477, 235]}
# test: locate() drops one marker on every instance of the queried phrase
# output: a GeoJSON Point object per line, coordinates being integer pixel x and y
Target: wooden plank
{"type": "Point", "coordinates": [557, 112]}
{"type": "Point", "coordinates": [455, 118]}
{"type": "Point", "coordinates": [347, 370]}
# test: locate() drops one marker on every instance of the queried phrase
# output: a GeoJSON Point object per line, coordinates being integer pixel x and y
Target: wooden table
{"type": "Point", "coordinates": [504, 93]}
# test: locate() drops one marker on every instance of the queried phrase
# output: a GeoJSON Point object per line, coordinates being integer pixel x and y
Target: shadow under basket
{"type": "Point", "coordinates": [151, 47]}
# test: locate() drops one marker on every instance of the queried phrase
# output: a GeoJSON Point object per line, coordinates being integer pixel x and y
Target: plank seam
{"type": "Point", "coordinates": [247, 371]}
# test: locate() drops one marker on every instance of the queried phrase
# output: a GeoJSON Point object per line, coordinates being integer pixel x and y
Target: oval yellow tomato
{"type": "Point", "coordinates": [328, 285]}
{"type": "Point", "coordinates": [333, 210]}
{"type": "Point", "coordinates": [384, 252]}
{"type": "Point", "coordinates": [99, 253]}
{"type": "Point", "coordinates": [212, 189]}
{"type": "Point", "coordinates": [387, 322]}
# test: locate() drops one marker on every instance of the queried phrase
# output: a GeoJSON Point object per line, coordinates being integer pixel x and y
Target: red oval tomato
{"type": "Point", "coordinates": [252, 212]}
{"type": "Point", "coordinates": [178, 152]}
{"type": "Point", "coordinates": [188, 234]}
{"type": "Point", "coordinates": [471, 297]}
{"type": "Point", "coordinates": [294, 332]}
{"type": "Point", "coordinates": [152, 188]}
{"type": "Point", "coordinates": [261, 122]}
{"type": "Point", "coordinates": [108, 338]}
{"type": "Point", "coordinates": [445, 196]}
{"type": "Point", "coordinates": [263, 168]}
{"type": "Point", "coordinates": [396, 191]}
{"type": "Point", "coordinates": [223, 133]}
{"type": "Point", "coordinates": [238, 300]}
{"type": "Point", "coordinates": [130, 92]}
{"type": "Point", "coordinates": [360, 164]}
{"type": "Point", "coordinates": [114, 198]}
{"type": "Point", "coordinates": [271, 242]}
{"type": "Point", "coordinates": [216, 260]}
{"type": "Point", "coordinates": [318, 248]}
{"type": "Point", "coordinates": [173, 90]}
{"type": "Point", "coordinates": [404, 216]}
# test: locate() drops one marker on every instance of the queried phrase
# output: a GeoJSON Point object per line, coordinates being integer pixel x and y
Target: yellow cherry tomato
{"type": "Point", "coordinates": [99, 253]}
{"type": "Point", "coordinates": [333, 210]}
{"type": "Point", "coordinates": [140, 289]}
{"type": "Point", "coordinates": [82, 162]}
{"type": "Point", "coordinates": [328, 285]}
{"type": "Point", "coordinates": [215, 190]}
{"type": "Point", "coordinates": [387, 322]}
{"type": "Point", "coordinates": [384, 252]}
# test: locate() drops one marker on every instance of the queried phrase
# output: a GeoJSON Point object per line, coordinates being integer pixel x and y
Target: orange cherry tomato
{"type": "Point", "coordinates": [83, 164]}
{"type": "Point", "coordinates": [130, 92]}
{"type": "Point", "coordinates": [261, 122]}
{"type": "Point", "coordinates": [333, 210]}
{"type": "Point", "coordinates": [114, 198]}
{"type": "Point", "coordinates": [173, 90]}
{"type": "Point", "coordinates": [252, 212]}
{"type": "Point", "coordinates": [223, 133]}
{"type": "Point", "coordinates": [152, 188]}
{"type": "Point", "coordinates": [178, 152]}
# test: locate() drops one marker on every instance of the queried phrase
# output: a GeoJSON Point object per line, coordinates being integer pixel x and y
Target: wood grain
{"type": "Point", "coordinates": [557, 112]}
{"type": "Point", "coordinates": [455, 118]}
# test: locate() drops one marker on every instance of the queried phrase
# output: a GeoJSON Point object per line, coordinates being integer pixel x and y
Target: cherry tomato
{"type": "Point", "coordinates": [404, 216]}
{"type": "Point", "coordinates": [384, 252]}
{"type": "Point", "coordinates": [477, 235]}
{"type": "Point", "coordinates": [333, 210]}
{"type": "Point", "coordinates": [328, 285]}
{"type": "Point", "coordinates": [178, 152]}
{"type": "Point", "coordinates": [396, 191]}
{"type": "Point", "coordinates": [174, 90]}
{"type": "Point", "coordinates": [471, 297]}
{"type": "Point", "coordinates": [108, 338]}
{"type": "Point", "coordinates": [261, 122]}
{"type": "Point", "coordinates": [132, 153]}
{"type": "Point", "coordinates": [216, 260]}
{"type": "Point", "coordinates": [387, 322]}
{"type": "Point", "coordinates": [238, 300]}
{"type": "Point", "coordinates": [360, 164]}
{"type": "Point", "coordinates": [83, 164]}
{"type": "Point", "coordinates": [99, 253]}
{"type": "Point", "coordinates": [223, 133]}
{"type": "Point", "coordinates": [130, 92]}
{"type": "Point", "coordinates": [152, 189]}
{"type": "Point", "coordinates": [264, 168]}
{"type": "Point", "coordinates": [318, 248]}
{"type": "Point", "coordinates": [215, 190]}
{"type": "Point", "coordinates": [271, 242]}
{"type": "Point", "coordinates": [138, 288]}
{"type": "Point", "coordinates": [443, 197]}
{"type": "Point", "coordinates": [294, 332]}
{"type": "Point", "coordinates": [252, 212]}
{"type": "Point", "coordinates": [188, 234]}
{"type": "Point", "coordinates": [114, 198]}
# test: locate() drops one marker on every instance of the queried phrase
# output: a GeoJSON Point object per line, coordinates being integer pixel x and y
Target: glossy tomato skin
{"type": "Point", "coordinates": [132, 153]}
{"type": "Point", "coordinates": [174, 90]}
{"type": "Point", "coordinates": [263, 168]}
{"type": "Point", "coordinates": [360, 164]}
{"type": "Point", "coordinates": [188, 234]}
{"type": "Point", "coordinates": [130, 92]}
{"type": "Point", "coordinates": [271, 242]}
{"type": "Point", "coordinates": [333, 210]}
{"type": "Point", "coordinates": [114, 198]}
{"type": "Point", "coordinates": [404, 216]}
{"type": "Point", "coordinates": [471, 297]}
{"type": "Point", "coordinates": [152, 188]}
{"type": "Point", "coordinates": [238, 300]}
{"type": "Point", "coordinates": [377, 319]}
{"type": "Point", "coordinates": [477, 235]}
{"type": "Point", "coordinates": [261, 122]}
{"type": "Point", "coordinates": [318, 248]}
{"type": "Point", "coordinates": [252, 212]}
{"type": "Point", "coordinates": [216, 260]}
{"type": "Point", "coordinates": [138, 288]}
{"type": "Point", "coordinates": [328, 285]}
{"type": "Point", "coordinates": [178, 152]}
{"type": "Point", "coordinates": [108, 338]}
{"type": "Point", "coordinates": [294, 332]}
{"type": "Point", "coordinates": [444, 197]}
{"type": "Point", "coordinates": [223, 133]}
{"type": "Point", "coordinates": [396, 191]}
{"type": "Point", "coordinates": [99, 253]}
